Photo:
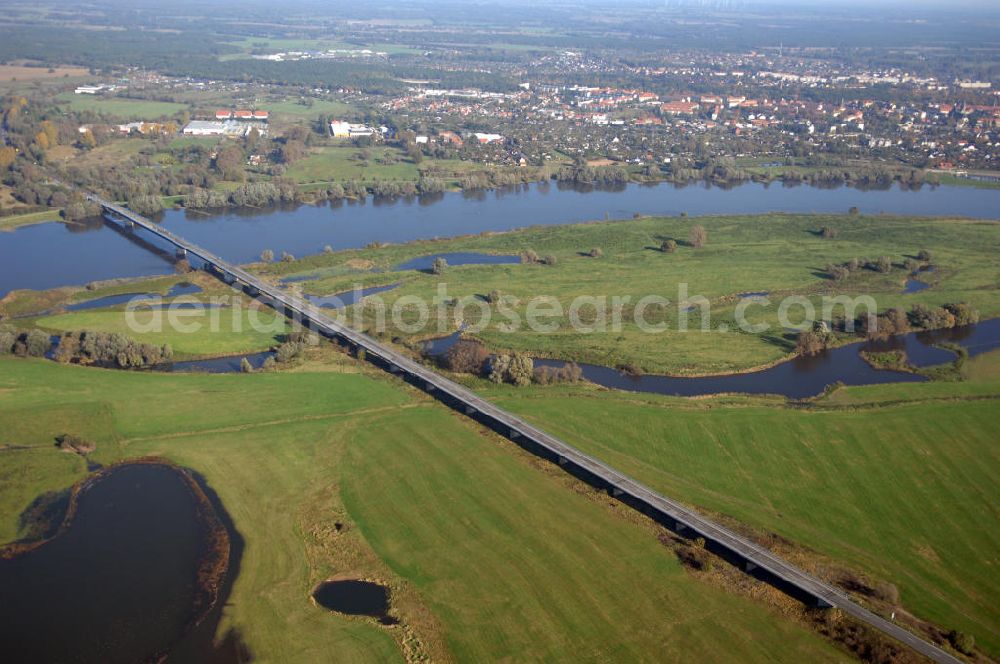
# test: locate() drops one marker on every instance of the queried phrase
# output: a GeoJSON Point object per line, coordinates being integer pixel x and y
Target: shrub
{"type": "Point", "coordinates": [70, 443]}
{"type": "Point", "coordinates": [182, 266]}
{"type": "Point", "coordinates": [550, 260]}
{"type": "Point", "coordinates": [8, 338]}
{"type": "Point", "coordinates": [695, 557]}
{"type": "Point", "coordinates": [854, 211]}
{"type": "Point", "coordinates": [466, 356]}
{"type": "Point", "coordinates": [828, 233]}
{"type": "Point", "coordinates": [810, 342]}
{"type": "Point", "coordinates": [517, 369]}
{"type": "Point", "coordinates": [110, 348]}
{"type": "Point", "coordinates": [931, 318]}
{"type": "Point", "coordinates": [267, 256]}
{"type": "Point", "coordinates": [883, 264]}
{"type": "Point", "coordinates": [494, 297]}
{"type": "Point", "coordinates": [529, 256]}
{"type": "Point", "coordinates": [886, 592]}
{"type": "Point", "coordinates": [286, 257]}
{"type": "Point", "coordinates": [327, 249]}
{"type": "Point", "coordinates": [596, 252]}
{"type": "Point", "coordinates": [668, 246]}
{"type": "Point", "coordinates": [568, 373]}
{"type": "Point", "coordinates": [925, 256]}
{"type": "Point", "coordinates": [269, 364]}
{"type": "Point", "coordinates": [886, 324]}
{"type": "Point", "coordinates": [838, 272]}
{"type": "Point", "coordinates": [245, 366]}
{"type": "Point", "coordinates": [287, 351]}
{"type": "Point", "coordinates": [521, 369]}
{"type": "Point", "coordinates": [698, 237]}
{"type": "Point", "coordinates": [439, 265]}
{"type": "Point", "coordinates": [146, 205]}
{"type": "Point", "coordinates": [33, 343]}
{"type": "Point", "coordinates": [963, 313]}
{"type": "Point", "coordinates": [964, 643]}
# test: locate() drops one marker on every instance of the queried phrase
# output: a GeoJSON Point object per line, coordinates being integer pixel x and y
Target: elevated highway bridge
{"type": "Point", "coordinates": [752, 557]}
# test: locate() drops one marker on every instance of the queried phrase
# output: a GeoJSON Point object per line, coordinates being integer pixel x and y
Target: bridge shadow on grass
{"type": "Point", "coordinates": [579, 472]}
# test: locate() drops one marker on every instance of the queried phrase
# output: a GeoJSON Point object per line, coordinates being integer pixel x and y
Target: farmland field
{"type": "Point", "coordinates": [14, 72]}
{"type": "Point", "coordinates": [125, 109]}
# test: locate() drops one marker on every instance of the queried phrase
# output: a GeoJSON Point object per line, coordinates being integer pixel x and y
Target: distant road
{"type": "Point", "coordinates": [683, 518]}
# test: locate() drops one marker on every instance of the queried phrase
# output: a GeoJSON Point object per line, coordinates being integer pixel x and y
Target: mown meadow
{"type": "Point", "coordinates": [489, 556]}
{"type": "Point", "coordinates": [898, 481]}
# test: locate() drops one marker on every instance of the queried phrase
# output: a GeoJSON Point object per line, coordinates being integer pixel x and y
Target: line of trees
{"type": "Point", "coordinates": [110, 348]}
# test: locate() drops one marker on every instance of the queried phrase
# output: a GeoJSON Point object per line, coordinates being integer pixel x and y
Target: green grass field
{"type": "Point", "coordinates": [906, 492]}
{"type": "Point", "coordinates": [326, 164]}
{"type": "Point", "coordinates": [341, 163]}
{"type": "Point", "coordinates": [312, 110]}
{"type": "Point", "coordinates": [16, 221]}
{"type": "Point", "coordinates": [128, 109]}
{"type": "Point", "coordinates": [191, 333]}
{"type": "Point", "coordinates": [488, 556]}
{"type": "Point", "coordinates": [780, 254]}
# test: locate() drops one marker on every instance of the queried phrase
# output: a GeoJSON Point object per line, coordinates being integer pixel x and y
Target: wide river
{"type": "Point", "coordinates": [50, 255]}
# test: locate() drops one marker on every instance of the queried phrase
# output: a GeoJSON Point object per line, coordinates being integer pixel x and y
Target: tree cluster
{"type": "Point", "coordinates": [516, 369]}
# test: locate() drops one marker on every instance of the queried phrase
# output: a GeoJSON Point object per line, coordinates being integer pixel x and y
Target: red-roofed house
{"type": "Point", "coordinates": [244, 115]}
{"type": "Point", "coordinates": [684, 107]}
{"type": "Point", "coordinates": [223, 115]}
{"type": "Point", "coordinates": [260, 115]}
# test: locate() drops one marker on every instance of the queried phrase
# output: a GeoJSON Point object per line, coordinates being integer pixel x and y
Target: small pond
{"type": "Point", "coordinates": [355, 598]}
{"type": "Point", "coordinates": [425, 263]}
{"type": "Point", "coordinates": [119, 583]}
{"type": "Point", "coordinates": [177, 290]}
{"type": "Point", "coordinates": [347, 298]}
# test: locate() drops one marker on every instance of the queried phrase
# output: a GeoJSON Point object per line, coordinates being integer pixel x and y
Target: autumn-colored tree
{"type": "Point", "coordinates": [42, 140]}
{"type": "Point", "coordinates": [51, 133]}
{"type": "Point", "coordinates": [87, 139]}
{"type": "Point", "coordinates": [7, 156]}
{"type": "Point", "coordinates": [698, 236]}
{"type": "Point", "coordinates": [229, 163]}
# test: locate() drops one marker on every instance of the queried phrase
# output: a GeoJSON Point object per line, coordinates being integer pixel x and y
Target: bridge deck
{"type": "Point", "coordinates": [743, 548]}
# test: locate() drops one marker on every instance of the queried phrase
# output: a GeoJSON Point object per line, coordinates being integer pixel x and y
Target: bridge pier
{"type": "Point", "coordinates": [823, 604]}
{"type": "Point", "coordinates": [749, 566]}
{"type": "Point", "coordinates": [182, 252]}
{"type": "Point", "coordinates": [469, 410]}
